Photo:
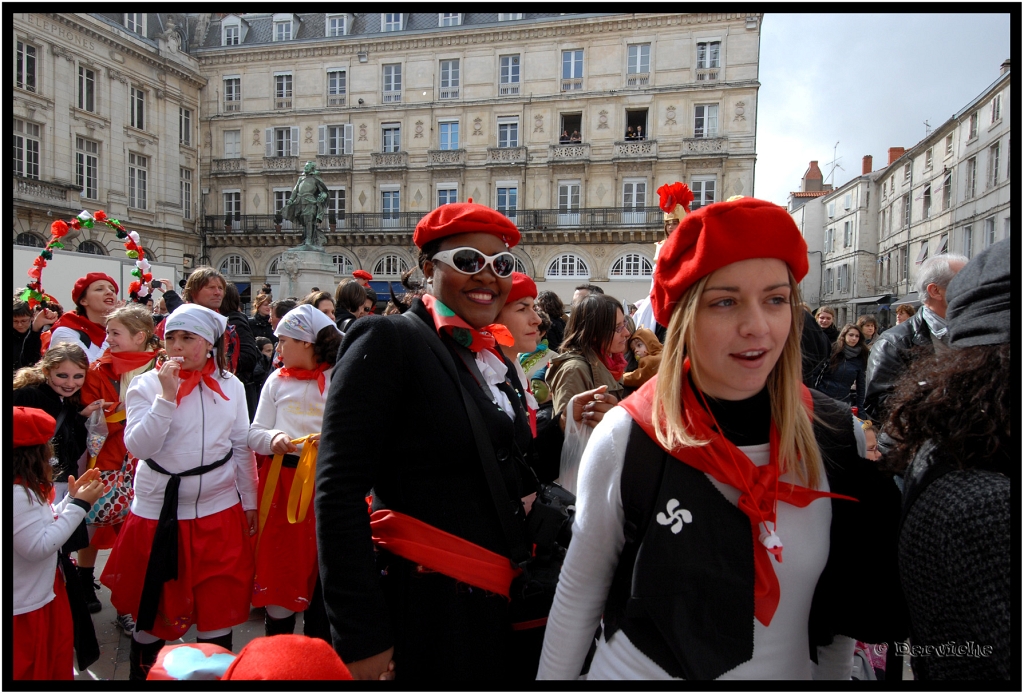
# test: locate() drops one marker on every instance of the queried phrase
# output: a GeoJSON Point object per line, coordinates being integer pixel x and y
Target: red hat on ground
{"type": "Point", "coordinates": [83, 283]}
{"type": "Point", "coordinates": [362, 275]}
{"type": "Point", "coordinates": [464, 218]}
{"type": "Point", "coordinates": [522, 285]}
{"type": "Point", "coordinates": [32, 427]}
{"type": "Point", "coordinates": [721, 234]}
{"type": "Point", "coordinates": [287, 657]}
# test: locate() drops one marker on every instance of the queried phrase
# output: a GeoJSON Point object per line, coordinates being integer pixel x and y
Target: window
{"type": "Point", "coordinates": [508, 75]}
{"type": "Point", "coordinates": [391, 21]}
{"type": "Point", "coordinates": [390, 206]}
{"type": "Point", "coordinates": [509, 16]}
{"type": "Point", "coordinates": [86, 89]}
{"type": "Point", "coordinates": [280, 200]}
{"type": "Point", "coordinates": [926, 206]}
{"type": "Point", "coordinates": [923, 255]}
{"type": "Point", "coordinates": [638, 59]}
{"type": "Point", "coordinates": [87, 158]}
{"type": "Point", "coordinates": [232, 93]}
{"type": "Point", "coordinates": [949, 144]}
{"type": "Point", "coordinates": [231, 35]}
{"type": "Point", "coordinates": [973, 126]}
{"type": "Point", "coordinates": [335, 25]}
{"type": "Point", "coordinates": [91, 247]}
{"type": "Point", "coordinates": [1006, 228]}
{"type": "Point", "coordinates": [567, 266]}
{"type": "Point", "coordinates": [27, 239]}
{"type": "Point", "coordinates": [283, 31]}
{"type": "Point", "coordinates": [827, 283]}
{"type": "Point", "coordinates": [844, 277]}
{"type": "Point", "coordinates": [832, 209]}
{"type": "Point", "coordinates": [184, 126]}
{"type": "Point", "coordinates": [186, 193]}
{"type": "Point", "coordinates": [906, 172]}
{"type": "Point", "coordinates": [137, 178]}
{"type": "Point", "coordinates": [446, 193]}
{"type": "Point", "coordinates": [390, 265]}
{"type": "Point", "coordinates": [235, 265]}
{"type": "Point", "coordinates": [26, 149]}
{"type": "Point", "coordinates": [705, 120]}
{"type": "Point", "coordinates": [335, 87]}
{"type": "Point", "coordinates": [990, 232]}
{"type": "Point", "coordinates": [971, 184]}
{"type": "Point", "coordinates": [847, 201]}
{"type": "Point", "coordinates": [708, 59]}
{"type": "Point", "coordinates": [449, 19]}
{"type": "Point", "coordinates": [993, 165]}
{"type": "Point", "coordinates": [507, 200]}
{"type": "Point", "coordinates": [906, 210]}
{"type": "Point", "coordinates": [519, 266]}
{"type": "Point", "coordinates": [392, 83]}
{"type": "Point", "coordinates": [631, 266]}
{"type": "Point", "coordinates": [335, 139]}
{"type": "Point", "coordinates": [943, 245]}
{"type": "Point", "coordinates": [137, 104]}
{"type": "Point", "coordinates": [703, 192]}
{"type": "Point", "coordinates": [25, 67]}
{"type": "Point", "coordinates": [448, 135]}
{"type": "Point", "coordinates": [572, 70]}
{"type": "Point", "coordinates": [968, 240]}
{"type": "Point", "coordinates": [135, 21]}
{"type": "Point", "coordinates": [997, 108]}
{"type": "Point", "coordinates": [282, 142]}
{"type": "Point", "coordinates": [275, 266]}
{"type": "Point", "coordinates": [634, 201]}
{"type": "Point", "coordinates": [449, 79]}
{"type": "Point", "coordinates": [508, 132]}
{"type": "Point", "coordinates": [343, 265]}
{"type": "Point", "coordinates": [847, 234]}
{"type": "Point", "coordinates": [830, 240]}
{"type": "Point", "coordinates": [928, 158]}
{"type": "Point", "coordinates": [336, 203]}
{"type": "Point", "coordinates": [232, 205]}
{"type": "Point", "coordinates": [391, 136]}
{"type": "Point", "coordinates": [283, 90]}
{"type": "Point", "coordinates": [947, 191]}
{"type": "Point", "coordinates": [232, 144]}
{"type": "Point", "coordinates": [569, 203]}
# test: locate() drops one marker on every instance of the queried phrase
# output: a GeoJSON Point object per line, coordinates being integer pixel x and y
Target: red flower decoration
{"type": "Point", "coordinates": [76, 223]}
{"type": "Point", "coordinates": [59, 228]}
{"type": "Point", "coordinates": [34, 272]}
{"type": "Point", "coordinates": [99, 215]}
{"type": "Point", "coordinates": [40, 261]}
{"type": "Point", "coordinates": [134, 287]}
{"type": "Point", "coordinates": [675, 194]}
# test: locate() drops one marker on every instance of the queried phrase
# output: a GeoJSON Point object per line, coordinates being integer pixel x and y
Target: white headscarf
{"type": "Point", "coordinates": [304, 323]}
{"type": "Point", "coordinates": [198, 320]}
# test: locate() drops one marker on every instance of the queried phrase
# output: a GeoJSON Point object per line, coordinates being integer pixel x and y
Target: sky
{"type": "Point", "coordinates": [866, 81]}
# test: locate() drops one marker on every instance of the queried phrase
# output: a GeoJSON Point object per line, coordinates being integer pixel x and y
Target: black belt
{"type": "Point", "coordinates": [290, 460]}
{"type": "Point", "coordinates": [163, 557]}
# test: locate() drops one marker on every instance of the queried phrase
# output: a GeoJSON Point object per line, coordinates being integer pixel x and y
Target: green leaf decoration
{"type": "Point", "coordinates": [137, 273]}
{"type": "Point", "coordinates": [26, 295]}
{"type": "Point", "coordinates": [56, 244]}
{"type": "Point", "coordinates": [87, 223]}
{"type": "Point", "coordinates": [47, 255]}
{"type": "Point", "coordinates": [132, 254]}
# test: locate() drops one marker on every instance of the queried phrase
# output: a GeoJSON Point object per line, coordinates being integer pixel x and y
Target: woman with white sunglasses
{"type": "Point", "coordinates": [432, 604]}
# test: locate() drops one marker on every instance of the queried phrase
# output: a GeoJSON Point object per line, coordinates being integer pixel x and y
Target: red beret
{"type": "Point", "coordinates": [722, 234]}
{"type": "Point", "coordinates": [464, 218]}
{"type": "Point", "coordinates": [362, 275]}
{"type": "Point", "coordinates": [522, 285]}
{"type": "Point", "coordinates": [287, 657]}
{"type": "Point", "coordinates": [83, 283]}
{"type": "Point", "coordinates": [32, 427]}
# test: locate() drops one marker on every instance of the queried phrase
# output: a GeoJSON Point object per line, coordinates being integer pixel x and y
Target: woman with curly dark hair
{"type": "Point", "coordinates": [951, 417]}
{"type": "Point", "coordinates": [549, 302]}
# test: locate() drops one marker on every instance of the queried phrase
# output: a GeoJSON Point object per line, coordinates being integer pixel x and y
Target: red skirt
{"type": "Point", "coordinates": [105, 536]}
{"type": "Point", "coordinates": [215, 571]}
{"type": "Point", "coordinates": [286, 560]}
{"type": "Point", "coordinates": [44, 639]}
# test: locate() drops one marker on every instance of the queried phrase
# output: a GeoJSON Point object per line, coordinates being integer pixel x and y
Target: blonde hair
{"type": "Point", "coordinates": [136, 319]}
{"type": "Point", "coordinates": [798, 449]}
{"type": "Point", "coordinates": [54, 357]}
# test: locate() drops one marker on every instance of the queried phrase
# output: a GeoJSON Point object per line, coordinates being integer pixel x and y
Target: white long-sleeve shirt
{"type": "Point", "coordinates": [39, 530]}
{"type": "Point", "coordinates": [289, 406]}
{"type": "Point", "coordinates": [780, 650]}
{"type": "Point", "coordinates": [199, 431]}
{"type": "Point", "coordinates": [65, 334]}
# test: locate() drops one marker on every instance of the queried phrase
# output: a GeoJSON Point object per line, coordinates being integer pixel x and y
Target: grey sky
{"type": "Point", "coordinates": [867, 81]}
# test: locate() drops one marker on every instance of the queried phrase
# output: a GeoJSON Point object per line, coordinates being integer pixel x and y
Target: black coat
{"type": "Point", "coordinates": [836, 383]}
{"type": "Point", "coordinates": [556, 333]}
{"type": "Point", "coordinates": [26, 347]}
{"type": "Point", "coordinates": [814, 348]}
{"type": "Point", "coordinates": [69, 440]}
{"type": "Point", "coordinates": [248, 353]}
{"type": "Point", "coordinates": [890, 358]}
{"type": "Point", "coordinates": [260, 326]}
{"type": "Point", "coordinates": [425, 466]}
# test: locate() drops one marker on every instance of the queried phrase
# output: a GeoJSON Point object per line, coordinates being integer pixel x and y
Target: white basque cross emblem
{"type": "Point", "coordinates": [674, 516]}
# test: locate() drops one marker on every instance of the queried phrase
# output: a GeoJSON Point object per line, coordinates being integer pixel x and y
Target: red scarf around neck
{"type": "Point", "coordinates": [615, 363]}
{"type": "Point", "coordinates": [96, 332]}
{"type": "Point", "coordinates": [760, 487]}
{"type": "Point", "coordinates": [190, 379]}
{"type": "Point", "coordinates": [307, 374]}
{"type": "Point", "coordinates": [461, 331]}
{"type": "Point", "coordinates": [123, 362]}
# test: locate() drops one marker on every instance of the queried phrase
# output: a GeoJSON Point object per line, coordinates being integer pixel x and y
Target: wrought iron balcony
{"type": "Point", "coordinates": [506, 155]}
{"type": "Point", "coordinates": [446, 157]}
{"type": "Point", "coordinates": [636, 149]}
{"type": "Point", "coordinates": [228, 166]}
{"type": "Point", "coordinates": [575, 151]}
{"type": "Point", "coordinates": [389, 160]}
{"type": "Point", "coordinates": [700, 146]}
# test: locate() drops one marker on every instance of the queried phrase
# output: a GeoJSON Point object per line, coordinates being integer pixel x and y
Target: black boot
{"type": "Point", "coordinates": [222, 641]}
{"type": "Point", "coordinates": [314, 619]}
{"type": "Point", "coordinates": [141, 658]}
{"type": "Point", "coordinates": [89, 586]}
{"type": "Point", "coordinates": [273, 627]}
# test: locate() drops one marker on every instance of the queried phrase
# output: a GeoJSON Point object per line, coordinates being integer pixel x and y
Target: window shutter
{"type": "Point", "coordinates": [348, 138]}
{"type": "Point", "coordinates": [295, 142]}
{"type": "Point", "coordinates": [321, 147]}
{"type": "Point", "coordinates": [270, 141]}
{"type": "Point", "coordinates": [712, 126]}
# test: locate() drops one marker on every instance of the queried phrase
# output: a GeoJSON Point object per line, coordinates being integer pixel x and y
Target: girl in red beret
{"type": "Point", "coordinates": [43, 638]}
{"type": "Point", "coordinates": [744, 489]}
{"type": "Point", "coordinates": [94, 297]}
{"type": "Point", "coordinates": [432, 602]}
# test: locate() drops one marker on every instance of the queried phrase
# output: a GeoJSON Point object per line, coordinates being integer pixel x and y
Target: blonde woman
{"type": "Point", "coordinates": [696, 487]}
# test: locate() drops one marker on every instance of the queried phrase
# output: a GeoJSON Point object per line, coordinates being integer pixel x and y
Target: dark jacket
{"type": "Point", "coordinates": [248, 353]}
{"type": "Point", "coordinates": [69, 440]}
{"type": "Point", "coordinates": [556, 333]}
{"type": "Point", "coordinates": [891, 355]}
{"type": "Point", "coordinates": [832, 333]}
{"type": "Point", "coordinates": [814, 348]}
{"type": "Point", "coordinates": [343, 319]}
{"type": "Point", "coordinates": [26, 348]}
{"type": "Point", "coordinates": [427, 467]}
{"type": "Point", "coordinates": [260, 326]}
{"type": "Point", "coordinates": [836, 383]}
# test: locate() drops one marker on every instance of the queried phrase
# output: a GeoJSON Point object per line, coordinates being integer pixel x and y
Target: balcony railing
{"type": "Point", "coordinates": [233, 165]}
{"type": "Point", "coordinates": [636, 149]}
{"type": "Point", "coordinates": [506, 155]}
{"type": "Point", "coordinates": [33, 187]}
{"type": "Point", "coordinates": [508, 89]}
{"type": "Point", "coordinates": [448, 93]}
{"type": "Point", "coordinates": [335, 99]}
{"type": "Point", "coordinates": [389, 160]}
{"type": "Point", "coordinates": [230, 106]}
{"type": "Point", "coordinates": [446, 157]}
{"type": "Point", "coordinates": [572, 84]}
{"type": "Point", "coordinates": [638, 79]}
{"type": "Point", "coordinates": [707, 74]}
{"type": "Point", "coordinates": [578, 151]}
{"type": "Point", "coordinates": [704, 145]}
{"type": "Point", "coordinates": [283, 103]}
{"type": "Point", "coordinates": [393, 97]}
{"type": "Point", "coordinates": [334, 162]}
{"type": "Point", "coordinates": [586, 218]}
{"type": "Point", "coordinates": [281, 163]}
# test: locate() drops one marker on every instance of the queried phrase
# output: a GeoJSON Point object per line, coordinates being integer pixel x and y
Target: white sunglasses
{"type": "Point", "coordinates": [470, 261]}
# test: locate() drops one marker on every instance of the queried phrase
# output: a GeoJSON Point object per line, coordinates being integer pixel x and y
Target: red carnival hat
{"type": "Point", "coordinates": [522, 285]}
{"type": "Point", "coordinates": [721, 234]}
{"type": "Point", "coordinates": [281, 657]}
{"type": "Point", "coordinates": [362, 275]}
{"type": "Point", "coordinates": [32, 427]}
{"type": "Point", "coordinates": [464, 218]}
{"type": "Point", "coordinates": [83, 283]}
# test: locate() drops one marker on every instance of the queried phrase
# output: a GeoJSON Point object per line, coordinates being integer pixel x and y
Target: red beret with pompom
{"type": "Point", "coordinates": [464, 218]}
{"type": "Point", "coordinates": [522, 285]}
{"type": "Point", "coordinates": [362, 275]}
{"type": "Point", "coordinates": [83, 284]}
{"type": "Point", "coordinates": [32, 427]}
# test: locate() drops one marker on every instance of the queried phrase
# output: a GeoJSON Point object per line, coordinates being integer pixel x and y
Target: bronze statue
{"type": "Point", "coordinates": [307, 206]}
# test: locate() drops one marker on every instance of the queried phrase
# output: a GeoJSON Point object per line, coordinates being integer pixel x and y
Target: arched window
{"type": "Point", "coordinates": [520, 267]}
{"type": "Point", "coordinates": [91, 247]}
{"type": "Point", "coordinates": [275, 266]}
{"type": "Point", "coordinates": [343, 265]}
{"type": "Point", "coordinates": [150, 255]}
{"type": "Point", "coordinates": [631, 266]}
{"type": "Point", "coordinates": [28, 239]}
{"type": "Point", "coordinates": [568, 266]}
{"type": "Point", "coordinates": [235, 265]}
{"type": "Point", "coordinates": [390, 265]}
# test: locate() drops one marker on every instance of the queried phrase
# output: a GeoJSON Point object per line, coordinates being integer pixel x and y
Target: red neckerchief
{"type": "Point", "coordinates": [467, 336]}
{"type": "Point", "coordinates": [190, 379]}
{"type": "Point", "coordinates": [307, 374]}
{"type": "Point", "coordinates": [760, 488]}
{"type": "Point", "coordinates": [616, 364]}
{"type": "Point", "coordinates": [123, 362]}
{"type": "Point", "coordinates": [96, 332]}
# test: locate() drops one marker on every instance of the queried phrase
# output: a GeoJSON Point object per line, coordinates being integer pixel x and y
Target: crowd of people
{"type": "Point", "coordinates": [484, 484]}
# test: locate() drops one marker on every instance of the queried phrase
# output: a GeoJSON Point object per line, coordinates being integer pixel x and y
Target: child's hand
{"type": "Point", "coordinates": [91, 407]}
{"type": "Point", "coordinates": [87, 476]}
{"type": "Point", "coordinates": [169, 379]}
{"type": "Point", "coordinates": [252, 520]}
{"type": "Point", "coordinates": [88, 491]}
{"type": "Point", "coordinates": [282, 443]}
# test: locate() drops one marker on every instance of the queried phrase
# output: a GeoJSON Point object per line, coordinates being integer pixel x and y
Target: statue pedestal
{"type": "Point", "coordinates": [301, 270]}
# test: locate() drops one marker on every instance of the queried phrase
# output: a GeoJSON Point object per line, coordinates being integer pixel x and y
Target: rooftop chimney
{"type": "Point", "coordinates": [1005, 67]}
{"type": "Point", "coordinates": [895, 153]}
{"type": "Point", "coordinates": [812, 179]}
{"type": "Point", "coordinates": [866, 167]}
